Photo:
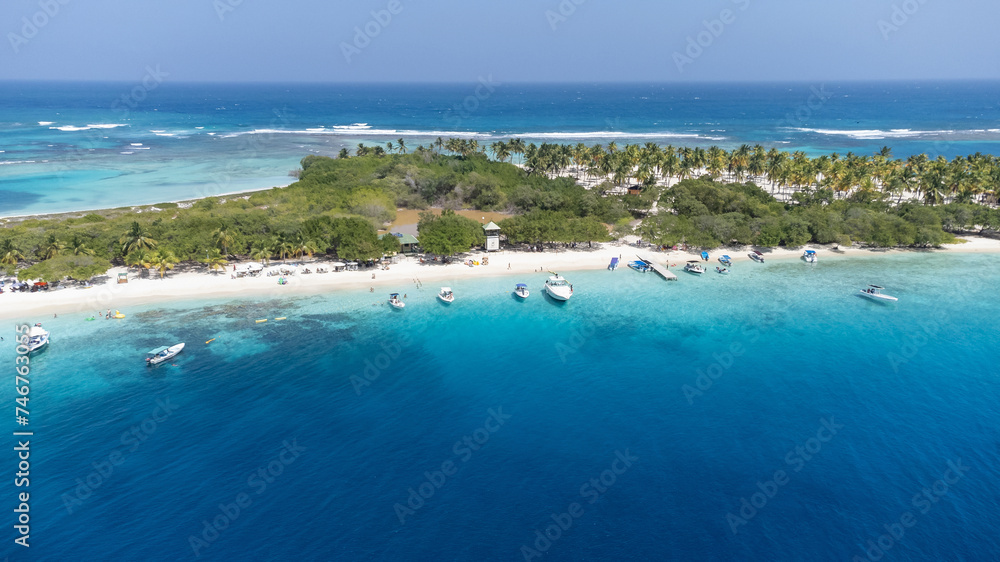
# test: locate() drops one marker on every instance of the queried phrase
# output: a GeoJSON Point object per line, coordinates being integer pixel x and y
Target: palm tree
{"type": "Point", "coordinates": [739, 162]}
{"type": "Point", "coordinates": [223, 238]}
{"type": "Point", "coordinates": [401, 145]}
{"type": "Point", "coordinates": [516, 146]}
{"type": "Point", "coordinates": [389, 146]}
{"type": "Point", "coordinates": [78, 247]}
{"type": "Point", "coordinates": [758, 162]}
{"type": "Point", "coordinates": [261, 253]}
{"type": "Point", "coordinates": [282, 246]}
{"type": "Point", "coordinates": [52, 247]}
{"type": "Point", "coordinates": [140, 259]}
{"type": "Point", "coordinates": [716, 161]}
{"type": "Point", "coordinates": [9, 254]}
{"type": "Point", "coordinates": [776, 162]}
{"type": "Point", "coordinates": [439, 143]}
{"type": "Point", "coordinates": [343, 153]}
{"type": "Point", "coordinates": [162, 261]}
{"type": "Point", "coordinates": [362, 150]}
{"type": "Point", "coordinates": [500, 151]}
{"type": "Point", "coordinates": [136, 238]}
{"type": "Point", "coordinates": [300, 246]}
{"type": "Point", "coordinates": [670, 162]}
{"type": "Point", "coordinates": [215, 260]}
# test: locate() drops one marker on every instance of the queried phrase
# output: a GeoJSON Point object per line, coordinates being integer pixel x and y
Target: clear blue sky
{"type": "Point", "coordinates": [514, 40]}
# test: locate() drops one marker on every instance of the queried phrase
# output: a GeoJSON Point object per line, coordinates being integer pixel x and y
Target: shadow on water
{"type": "Point", "coordinates": [15, 200]}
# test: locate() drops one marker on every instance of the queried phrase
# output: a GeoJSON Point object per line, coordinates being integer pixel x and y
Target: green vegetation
{"type": "Point", "coordinates": [449, 233]}
{"type": "Point", "coordinates": [338, 204]}
{"type": "Point", "coordinates": [59, 267]}
{"type": "Point", "coordinates": [709, 214]}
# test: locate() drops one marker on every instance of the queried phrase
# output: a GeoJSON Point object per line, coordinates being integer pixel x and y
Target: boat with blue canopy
{"type": "Point", "coordinates": [521, 290]}
{"type": "Point", "coordinates": [640, 266]}
{"type": "Point", "coordinates": [161, 354]}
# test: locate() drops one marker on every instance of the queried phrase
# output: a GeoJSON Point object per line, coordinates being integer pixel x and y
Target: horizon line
{"type": "Point", "coordinates": [516, 82]}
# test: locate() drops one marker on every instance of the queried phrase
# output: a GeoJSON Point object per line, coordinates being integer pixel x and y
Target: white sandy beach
{"type": "Point", "coordinates": [399, 277]}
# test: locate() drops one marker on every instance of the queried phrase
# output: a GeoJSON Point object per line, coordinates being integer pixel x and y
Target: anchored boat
{"type": "Point", "coordinates": [161, 354]}
{"type": "Point", "coordinates": [558, 288]}
{"type": "Point", "coordinates": [521, 290]}
{"type": "Point", "coordinates": [874, 292]}
{"type": "Point", "coordinates": [694, 267]}
{"type": "Point", "coordinates": [395, 301]}
{"type": "Point", "coordinates": [38, 338]}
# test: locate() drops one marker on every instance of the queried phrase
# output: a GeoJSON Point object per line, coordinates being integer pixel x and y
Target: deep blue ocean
{"type": "Point", "coordinates": [769, 415]}
{"type": "Point", "coordinates": [71, 146]}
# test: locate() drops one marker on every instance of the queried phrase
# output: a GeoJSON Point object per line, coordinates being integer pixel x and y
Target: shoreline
{"type": "Point", "coordinates": [145, 207]}
{"type": "Point", "coordinates": [200, 285]}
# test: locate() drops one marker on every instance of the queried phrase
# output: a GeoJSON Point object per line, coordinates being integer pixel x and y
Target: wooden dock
{"type": "Point", "coordinates": [661, 270]}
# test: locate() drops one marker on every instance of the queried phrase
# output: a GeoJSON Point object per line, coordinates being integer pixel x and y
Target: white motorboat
{"type": "Point", "coordinates": [722, 270]}
{"type": "Point", "coordinates": [521, 290]}
{"type": "Point", "coordinates": [558, 288]}
{"type": "Point", "coordinates": [756, 256]}
{"type": "Point", "coordinates": [809, 256]}
{"type": "Point", "coordinates": [694, 267]}
{"type": "Point", "coordinates": [161, 354]}
{"type": "Point", "coordinates": [446, 295]}
{"type": "Point", "coordinates": [395, 302]}
{"type": "Point", "coordinates": [874, 292]}
{"type": "Point", "coordinates": [38, 338]}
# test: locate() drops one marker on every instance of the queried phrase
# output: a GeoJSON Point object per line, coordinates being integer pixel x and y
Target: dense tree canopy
{"type": "Point", "coordinates": [448, 233]}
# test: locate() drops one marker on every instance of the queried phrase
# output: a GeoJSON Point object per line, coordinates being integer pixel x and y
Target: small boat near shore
{"type": "Point", "coordinates": [558, 288]}
{"type": "Point", "coordinates": [756, 256]}
{"type": "Point", "coordinates": [161, 354]}
{"type": "Point", "coordinates": [614, 264]}
{"type": "Point", "coordinates": [704, 256]}
{"type": "Point", "coordinates": [721, 270]}
{"type": "Point", "coordinates": [38, 338]}
{"type": "Point", "coordinates": [521, 291]}
{"type": "Point", "coordinates": [640, 266]}
{"type": "Point", "coordinates": [446, 295]}
{"type": "Point", "coordinates": [726, 261]}
{"type": "Point", "coordinates": [694, 267]}
{"type": "Point", "coordinates": [396, 302]}
{"type": "Point", "coordinates": [874, 292]}
{"type": "Point", "coordinates": [809, 256]}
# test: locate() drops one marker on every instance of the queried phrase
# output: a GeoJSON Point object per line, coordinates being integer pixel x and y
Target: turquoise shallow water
{"type": "Point", "coordinates": [346, 407]}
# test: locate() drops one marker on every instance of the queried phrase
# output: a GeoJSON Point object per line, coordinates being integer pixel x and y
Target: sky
{"type": "Point", "coordinates": [511, 40]}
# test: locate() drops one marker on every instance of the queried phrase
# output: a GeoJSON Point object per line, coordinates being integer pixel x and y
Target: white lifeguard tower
{"type": "Point", "coordinates": [492, 237]}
